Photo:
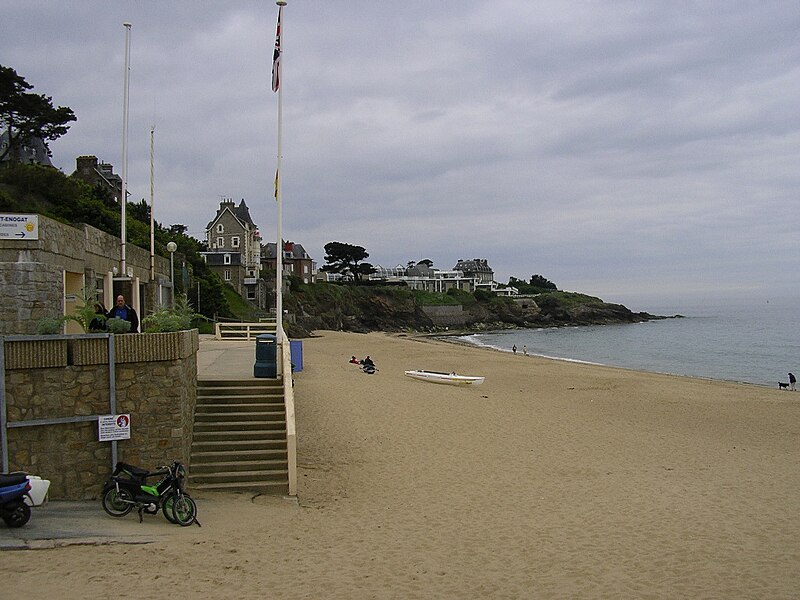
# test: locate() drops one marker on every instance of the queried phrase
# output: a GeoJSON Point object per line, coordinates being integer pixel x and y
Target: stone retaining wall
{"type": "Point", "coordinates": [32, 272]}
{"type": "Point", "coordinates": [446, 316]}
{"type": "Point", "coordinates": [67, 376]}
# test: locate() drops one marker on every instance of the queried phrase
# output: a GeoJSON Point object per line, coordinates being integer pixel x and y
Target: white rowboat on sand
{"type": "Point", "coordinates": [446, 378]}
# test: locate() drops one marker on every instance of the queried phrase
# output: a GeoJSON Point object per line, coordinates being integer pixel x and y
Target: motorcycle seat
{"type": "Point", "coordinates": [7, 479]}
{"type": "Point", "coordinates": [136, 472]}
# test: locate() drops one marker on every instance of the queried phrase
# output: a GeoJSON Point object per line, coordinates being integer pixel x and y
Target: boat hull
{"type": "Point", "coordinates": [444, 378]}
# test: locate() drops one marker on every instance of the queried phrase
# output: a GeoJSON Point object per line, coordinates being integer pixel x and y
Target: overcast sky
{"type": "Point", "coordinates": [643, 152]}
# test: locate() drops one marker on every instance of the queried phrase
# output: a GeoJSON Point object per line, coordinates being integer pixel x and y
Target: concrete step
{"type": "Point", "coordinates": [231, 416]}
{"type": "Point", "coordinates": [244, 439]}
{"type": "Point", "coordinates": [257, 475]}
{"type": "Point", "coordinates": [240, 399]}
{"type": "Point", "coordinates": [229, 468]}
{"type": "Point", "coordinates": [239, 407]}
{"type": "Point", "coordinates": [238, 387]}
{"type": "Point", "coordinates": [237, 426]}
{"type": "Point", "coordinates": [235, 437]}
{"type": "Point", "coordinates": [226, 455]}
{"type": "Point", "coordinates": [267, 487]}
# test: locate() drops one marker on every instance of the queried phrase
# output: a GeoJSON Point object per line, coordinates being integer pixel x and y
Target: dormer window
{"type": "Point", "coordinates": [226, 259]}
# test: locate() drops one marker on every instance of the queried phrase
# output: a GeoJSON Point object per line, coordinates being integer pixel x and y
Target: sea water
{"type": "Point", "coordinates": [752, 343]}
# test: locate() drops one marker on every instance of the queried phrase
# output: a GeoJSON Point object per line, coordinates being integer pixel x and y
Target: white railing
{"type": "Point", "coordinates": [243, 331]}
{"type": "Point", "coordinates": [288, 395]}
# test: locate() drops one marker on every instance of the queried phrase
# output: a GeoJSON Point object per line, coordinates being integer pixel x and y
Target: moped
{"type": "Point", "coordinates": [14, 488]}
{"type": "Point", "coordinates": [128, 488]}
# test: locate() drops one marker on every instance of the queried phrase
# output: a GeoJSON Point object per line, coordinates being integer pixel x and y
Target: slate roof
{"type": "Point", "coordinates": [241, 212]}
{"type": "Point", "coordinates": [297, 250]}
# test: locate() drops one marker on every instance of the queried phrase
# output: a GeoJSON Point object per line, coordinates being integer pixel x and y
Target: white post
{"type": "Point", "coordinates": [152, 210]}
{"type": "Point", "coordinates": [171, 247]}
{"type": "Point", "coordinates": [124, 200]}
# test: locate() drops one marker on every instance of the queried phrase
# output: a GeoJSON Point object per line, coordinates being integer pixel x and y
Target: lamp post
{"type": "Point", "coordinates": [172, 246]}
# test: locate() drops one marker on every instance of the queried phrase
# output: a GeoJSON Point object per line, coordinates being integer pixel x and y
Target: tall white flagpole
{"type": "Point", "coordinates": [124, 200]}
{"type": "Point", "coordinates": [279, 183]}
{"type": "Point", "coordinates": [152, 209]}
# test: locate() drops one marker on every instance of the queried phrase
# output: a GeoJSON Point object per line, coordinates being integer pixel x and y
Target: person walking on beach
{"type": "Point", "coordinates": [792, 382]}
{"type": "Point", "coordinates": [525, 350]}
{"type": "Point", "coordinates": [514, 348]}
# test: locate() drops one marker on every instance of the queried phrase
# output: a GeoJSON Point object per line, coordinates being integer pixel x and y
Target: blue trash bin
{"type": "Point", "coordinates": [296, 350]}
{"type": "Point", "coordinates": [266, 356]}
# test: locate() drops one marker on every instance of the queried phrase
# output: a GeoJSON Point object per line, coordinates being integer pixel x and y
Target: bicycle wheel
{"type": "Point", "coordinates": [117, 503]}
{"type": "Point", "coordinates": [167, 508]}
{"type": "Point", "coordinates": [18, 516]}
{"type": "Point", "coordinates": [183, 509]}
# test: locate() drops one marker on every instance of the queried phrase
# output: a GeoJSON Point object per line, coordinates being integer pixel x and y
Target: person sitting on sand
{"type": "Point", "coordinates": [354, 360]}
{"type": "Point", "coordinates": [367, 362]}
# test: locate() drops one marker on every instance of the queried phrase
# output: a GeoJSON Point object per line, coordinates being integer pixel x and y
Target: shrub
{"type": "Point", "coordinates": [50, 326]}
{"type": "Point", "coordinates": [166, 319]}
{"type": "Point", "coordinates": [85, 311]}
{"type": "Point", "coordinates": [483, 295]}
{"type": "Point", "coordinates": [117, 325]}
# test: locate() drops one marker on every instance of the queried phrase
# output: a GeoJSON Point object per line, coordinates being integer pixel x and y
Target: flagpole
{"type": "Point", "coordinates": [279, 185]}
{"type": "Point", "coordinates": [123, 200]}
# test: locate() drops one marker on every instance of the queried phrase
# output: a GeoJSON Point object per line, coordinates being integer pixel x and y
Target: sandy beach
{"type": "Point", "coordinates": [551, 480]}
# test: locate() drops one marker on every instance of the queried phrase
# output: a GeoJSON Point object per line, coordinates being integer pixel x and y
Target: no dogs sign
{"type": "Point", "coordinates": [113, 427]}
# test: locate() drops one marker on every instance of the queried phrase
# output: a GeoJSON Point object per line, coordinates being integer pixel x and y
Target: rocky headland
{"type": "Point", "coordinates": [392, 309]}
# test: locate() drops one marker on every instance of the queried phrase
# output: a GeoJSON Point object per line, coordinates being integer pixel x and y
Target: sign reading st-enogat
{"type": "Point", "coordinates": [19, 227]}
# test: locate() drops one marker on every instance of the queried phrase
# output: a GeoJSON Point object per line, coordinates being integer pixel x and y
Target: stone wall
{"type": "Point", "coordinates": [446, 316]}
{"type": "Point", "coordinates": [30, 293]}
{"type": "Point", "coordinates": [32, 271]}
{"type": "Point", "coordinates": [67, 376]}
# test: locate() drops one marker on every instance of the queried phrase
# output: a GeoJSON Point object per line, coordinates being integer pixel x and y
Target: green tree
{"type": "Point", "coordinates": [536, 285]}
{"type": "Point", "coordinates": [346, 259]}
{"type": "Point", "coordinates": [542, 282]}
{"type": "Point", "coordinates": [25, 115]}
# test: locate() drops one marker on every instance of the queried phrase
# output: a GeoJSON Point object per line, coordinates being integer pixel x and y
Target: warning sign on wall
{"type": "Point", "coordinates": [113, 427]}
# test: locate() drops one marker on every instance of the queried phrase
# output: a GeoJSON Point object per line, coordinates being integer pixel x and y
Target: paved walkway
{"type": "Point", "coordinates": [225, 359]}
{"type": "Point", "coordinates": [63, 523]}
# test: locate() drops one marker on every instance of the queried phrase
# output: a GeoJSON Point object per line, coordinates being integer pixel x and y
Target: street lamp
{"type": "Point", "coordinates": [172, 246]}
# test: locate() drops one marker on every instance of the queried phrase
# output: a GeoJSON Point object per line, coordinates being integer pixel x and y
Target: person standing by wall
{"type": "Point", "coordinates": [99, 322]}
{"type": "Point", "coordinates": [122, 311]}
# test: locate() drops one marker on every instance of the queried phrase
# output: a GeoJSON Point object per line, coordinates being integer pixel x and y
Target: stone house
{"type": "Point", "coordinates": [296, 262]}
{"type": "Point", "coordinates": [32, 151]}
{"type": "Point", "coordinates": [99, 175]}
{"type": "Point", "coordinates": [423, 276]}
{"type": "Point", "coordinates": [478, 268]}
{"type": "Point", "coordinates": [234, 251]}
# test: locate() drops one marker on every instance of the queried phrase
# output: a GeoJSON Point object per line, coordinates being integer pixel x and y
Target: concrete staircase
{"type": "Point", "coordinates": [239, 440]}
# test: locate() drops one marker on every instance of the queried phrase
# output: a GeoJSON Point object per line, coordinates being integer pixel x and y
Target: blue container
{"type": "Point", "coordinates": [296, 350]}
{"type": "Point", "coordinates": [266, 356]}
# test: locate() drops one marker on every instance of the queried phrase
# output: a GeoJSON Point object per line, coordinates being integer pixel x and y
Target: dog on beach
{"type": "Point", "coordinates": [783, 386]}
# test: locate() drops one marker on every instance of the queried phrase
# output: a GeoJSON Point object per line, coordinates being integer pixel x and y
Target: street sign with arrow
{"type": "Point", "coordinates": [19, 227]}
